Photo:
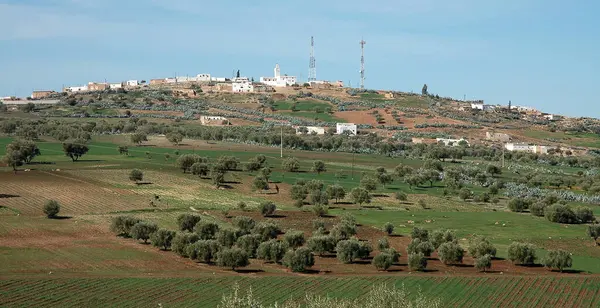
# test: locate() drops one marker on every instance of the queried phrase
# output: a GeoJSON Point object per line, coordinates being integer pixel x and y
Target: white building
{"type": "Point", "coordinates": [481, 106]}
{"type": "Point", "coordinates": [340, 128]}
{"type": "Point", "coordinates": [240, 79]}
{"type": "Point", "coordinates": [76, 89]}
{"type": "Point", "coordinates": [242, 87]}
{"type": "Point", "coordinates": [212, 119]}
{"type": "Point", "coordinates": [183, 79]}
{"type": "Point", "coordinates": [132, 83]}
{"type": "Point", "coordinates": [170, 80]}
{"type": "Point", "coordinates": [278, 81]}
{"type": "Point", "coordinates": [203, 77]}
{"type": "Point", "coordinates": [552, 117]}
{"type": "Point", "coordinates": [518, 147]}
{"type": "Point", "coordinates": [116, 85]}
{"type": "Point", "coordinates": [451, 142]}
{"type": "Point", "coordinates": [524, 108]}
{"type": "Point", "coordinates": [218, 79]}
{"type": "Point", "coordinates": [311, 130]}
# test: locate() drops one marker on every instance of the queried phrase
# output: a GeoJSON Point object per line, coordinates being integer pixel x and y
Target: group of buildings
{"type": "Point", "coordinates": [100, 86]}
{"type": "Point", "coordinates": [530, 111]}
{"type": "Point", "coordinates": [340, 128]}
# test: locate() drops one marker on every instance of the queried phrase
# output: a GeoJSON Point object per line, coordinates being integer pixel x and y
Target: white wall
{"type": "Point", "coordinates": [242, 87]}
{"type": "Point", "coordinates": [340, 128]}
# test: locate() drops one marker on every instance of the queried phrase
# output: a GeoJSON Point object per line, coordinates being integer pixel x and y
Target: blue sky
{"type": "Point", "coordinates": [541, 53]}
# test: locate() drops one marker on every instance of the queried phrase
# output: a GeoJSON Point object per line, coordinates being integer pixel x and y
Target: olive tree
{"type": "Point", "coordinates": [294, 239]}
{"type": "Point", "coordinates": [175, 138]}
{"type": "Point", "coordinates": [121, 225]}
{"type": "Point", "coordinates": [75, 149]}
{"type": "Point", "coordinates": [560, 213]}
{"type": "Point", "coordinates": [290, 164]}
{"type": "Point", "coordinates": [593, 231]}
{"type": "Point", "coordinates": [143, 230]}
{"type": "Point", "coordinates": [450, 253]}
{"type": "Point", "coordinates": [51, 208]}
{"type": "Point", "coordinates": [321, 244]}
{"type": "Point", "coordinates": [417, 262]}
{"type": "Point", "coordinates": [349, 250]}
{"type": "Point", "coordinates": [232, 257]}
{"type": "Point", "coordinates": [336, 192]}
{"type": "Point", "coordinates": [227, 237]}
{"type": "Point", "coordinates": [298, 260]}
{"type": "Point", "coordinates": [181, 241]}
{"type": "Point", "coordinates": [318, 166]}
{"type": "Point", "coordinates": [558, 259]}
{"type": "Point", "coordinates": [272, 251]}
{"type": "Point", "coordinates": [418, 246]}
{"type": "Point", "coordinates": [266, 230]}
{"type": "Point", "coordinates": [343, 230]}
{"type": "Point", "coordinates": [186, 222]}
{"type": "Point", "coordinates": [244, 223]}
{"type": "Point", "coordinates": [203, 251]}
{"type": "Point", "coordinates": [521, 253]}
{"type": "Point", "coordinates": [206, 230]}
{"type": "Point", "coordinates": [483, 263]}
{"type": "Point", "coordinates": [136, 175]}
{"type": "Point", "coordinates": [162, 238]}
{"type": "Point", "coordinates": [438, 237]}
{"type": "Point", "coordinates": [200, 169]}
{"type": "Point", "coordinates": [481, 246]}
{"type": "Point", "coordinates": [388, 228]}
{"type": "Point", "coordinates": [249, 243]}
{"type": "Point", "coordinates": [383, 261]}
{"type": "Point", "coordinates": [360, 195]}
{"type": "Point", "coordinates": [267, 208]}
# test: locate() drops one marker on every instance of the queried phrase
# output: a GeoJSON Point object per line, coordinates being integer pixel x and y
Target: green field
{"type": "Point", "coordinates": [207, 292]}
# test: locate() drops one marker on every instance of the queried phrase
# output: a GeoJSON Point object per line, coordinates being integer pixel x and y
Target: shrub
{"type": "Point", "coordinates": [298, 260]}
{"type": "Point", "coordinates": [584, 214]}
{"type": "Point", "coordinates": [320, 210]}
{"type": "Point", "coordinates": [517, 205]}
{"type": "Point", "coordinates": [321, 244]}
{"type": "Point", "coordinates": [450, 253]}
{"type": "Point", "coordinates": [383, 244]}
{"type": "Point", "coordinates": [266, 230]}
{"type": "Point", "coordinates": [232, 257]}
{"type": "Point", "coordinates": [465, 194]}
{"type": "Point", "coordinates": [417, 262]}
{"type": "Point", "coordinates": [483, 263]}
{"type": "Point", "coordinates": [241, 205]}
{"type": "Point", "coordinates": [162, 238]}
{"type": "Point", "coordinates": [419, 233]}
{"type": "Point", "coordinates": [558, 259]}
{"type": "Point", "coordinates": [520, 253]}
{"type": "Point", "coordinates": [227, 237]}
{"type": "Point", "coordinates": [267, 208]}
{"type": "Point", "coordinates": [121, 225]}
{"type": "Point", "coordinates": [368, 183]}
{"type": "Point", "coordinates": [561, 214]}
{"type": "Point", "coordinates": [51, 208]}
{"type": "Point", "coordinates": [143, 230]}
{"type": "Point", "coordinates": [318, 197]}
{"type": "Point", "coordinates": [318, 225]}
{"type": "Point", "coordinates": [203, 251]}
{"type": "Point", "coordinates": [186, 222]}
{"type": "Point", "coordinates": [249, 243]}
{"type": "Point", "coordinates": [272, 251]}
{"type": "Point", "coordinates": [538, 208]}
{"type": "Point", "coordinates": [260, 183]}
{"type": "Point", "coordinates": [480, 246]}
{"type": "Point", "coordinates": [438, 237]}
{"type": "Point", "coordinates": [244, 223]}
{"type": "Point", "coordinates": [392, 252]}
{"type": "Point", "coordinates": [206, 230]}
{"type": "Point", "coordinates": [181, 241]}
{"type": "Point", "coordinates": [136, 175]}
{"type": "Point", "coordinates": [388, 228]}
{"type": "Point", "coordinates": [401, 196]}
{"type": "Point", "coordinates": [382, 261]}
{"type": "Point", "coordinates": [348, 218]}
{"type": "Point", "coordinates": [336, 192]}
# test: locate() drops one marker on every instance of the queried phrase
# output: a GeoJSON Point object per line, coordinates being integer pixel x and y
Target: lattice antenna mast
{"type": "Point", "coordinates": [362, 64]}
{"type": "Point", "coordinates": [312, 65]}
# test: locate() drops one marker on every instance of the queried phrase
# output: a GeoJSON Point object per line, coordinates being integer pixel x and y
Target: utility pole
{"type": "Point", "coordinates": [503, 147]}
{"type": "Point", "coordinates": [312, 63]}
{"type": "Point", "coordinates": [362, 64]}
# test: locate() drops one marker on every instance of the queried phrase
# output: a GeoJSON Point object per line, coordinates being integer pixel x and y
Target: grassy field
{"type": "Point", "coordinates": [309, 109]}
{"type": "Point", "coordinates": [207, 292]}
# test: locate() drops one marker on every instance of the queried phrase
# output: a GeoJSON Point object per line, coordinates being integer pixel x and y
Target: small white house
{"type": "Point", "coordinates": [552, 117]}
{"type": "Point", "coordinates": [182, 79]}
{"type": "Point", "coordinates": [116, 85]}
{"type": "Point", "coordinates": [451, 142]}
{"type": "Point", "coordinates": [242, 87]}
{"type": "Point", "coordinates": [170, 80]}
{"type": "Point", "coordinates": [203, 77]}
{"type": "Point", "coordinates": [340, 128]}
{"type": "Point", "coordinates": [310, 130]}
{"type": "Point", "coordinates": [132, 83]}
{"type": "Point", "coordinates": [518, 147]}
{"type": "Point", "coordinates": [212, 119]}
{"type": "Point", "coordinates": [482, 107]}
{"type": "Point", "coordinates": [76, 89]}
{"type": "Point", "coordinates": [277, 80]}
{"type": "Point", "coordinates": [218, 79]}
